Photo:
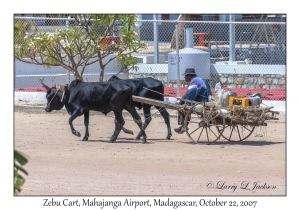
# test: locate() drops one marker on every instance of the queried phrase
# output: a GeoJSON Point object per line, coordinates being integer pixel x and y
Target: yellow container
{"type": "Point", "coordinates": [233, 101]}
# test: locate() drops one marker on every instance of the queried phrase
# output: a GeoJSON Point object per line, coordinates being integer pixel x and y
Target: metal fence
{"type": "Point", "coordinates": [245, 57]}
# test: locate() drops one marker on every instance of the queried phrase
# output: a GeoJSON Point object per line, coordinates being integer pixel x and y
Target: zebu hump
{"type": "Point", "coordinates": [120, 86]}
{"type": "Point", "coordinates": [74, 83]}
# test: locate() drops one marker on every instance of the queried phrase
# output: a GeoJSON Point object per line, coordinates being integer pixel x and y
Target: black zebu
{"type": "Point", "coordinates": [149, 88]}
{"type": "Point", "coordinates": [81, 97]}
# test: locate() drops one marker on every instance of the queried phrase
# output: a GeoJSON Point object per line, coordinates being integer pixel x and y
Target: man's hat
{"type": "Point", "coordinates": [190, 71]}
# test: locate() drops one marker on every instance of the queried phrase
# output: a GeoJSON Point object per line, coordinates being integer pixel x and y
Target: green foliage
{"type": "Point", "coordinates": [98, 29]}
{"type": "Point", "coordinates": [82, 45]}
{"type": "Point", "coordinates": [20, 30]}
{"type": "Point", "coordinates": [19, 161]}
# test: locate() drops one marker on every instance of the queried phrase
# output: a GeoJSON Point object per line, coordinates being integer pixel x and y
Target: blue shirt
{"type": "Point", "coordinates": [196, 90]}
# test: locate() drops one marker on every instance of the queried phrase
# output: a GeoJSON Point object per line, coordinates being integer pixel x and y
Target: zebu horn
{"type": "Point", "coordinates": [54, 84]}
{"type": "Point", "coordinates": [41, 81]}
{"type": "Point", "coordinates": [63, 88]}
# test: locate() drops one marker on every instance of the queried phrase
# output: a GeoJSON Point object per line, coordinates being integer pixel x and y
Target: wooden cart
{"type": "Point", "coordinates": [207, 121]}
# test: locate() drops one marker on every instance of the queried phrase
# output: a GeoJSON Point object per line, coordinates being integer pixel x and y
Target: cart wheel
{"type": "Point", "coordinates": [237, 132]}
{"type": "Point", "coordinates": [203, 122]}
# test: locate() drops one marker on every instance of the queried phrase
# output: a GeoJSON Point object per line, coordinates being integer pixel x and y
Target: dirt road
{"type": "Point", "coordinates": [61, 164]}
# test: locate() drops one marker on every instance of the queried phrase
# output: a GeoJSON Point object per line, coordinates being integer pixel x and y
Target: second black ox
{"type": "Point", "coordinates": [149, 88]}
{"type": "Point", "coordinates": [81, 97]}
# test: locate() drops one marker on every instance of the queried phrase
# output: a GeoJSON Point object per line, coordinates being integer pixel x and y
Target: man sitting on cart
{"type": "Point", "coordinates": [197, 91]}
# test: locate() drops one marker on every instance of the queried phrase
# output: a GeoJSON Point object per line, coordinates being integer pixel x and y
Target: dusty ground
{"type": "Point", "coordinates": [61, 164]}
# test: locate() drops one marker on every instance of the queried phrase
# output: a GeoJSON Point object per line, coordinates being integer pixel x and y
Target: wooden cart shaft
{"type": "Point", "coordinates": [153, 102]}
{"type": "Point", "coordinates": [168, 105]}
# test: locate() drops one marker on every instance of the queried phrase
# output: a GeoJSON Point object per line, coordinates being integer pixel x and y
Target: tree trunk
{"type": "Point", "coordinates": [101, 75]}
{"type": "Point", "coordinates": [102, 67]}
{"type": "Point", "coordinates": [180, 32]}
{"type": "Point", "coordinates": [76, 75]}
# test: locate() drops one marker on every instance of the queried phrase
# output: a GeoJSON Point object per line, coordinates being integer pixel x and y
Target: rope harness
{"type": "Point", "coordinates": [154, 91]}
{"type": "Point", "coordinates": [62, 98]}
{"type": "Point", "coordinates": [53, 97]}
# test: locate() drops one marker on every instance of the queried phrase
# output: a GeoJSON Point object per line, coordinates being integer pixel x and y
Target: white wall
{"type": "Point", "coordinates": [23, 69]}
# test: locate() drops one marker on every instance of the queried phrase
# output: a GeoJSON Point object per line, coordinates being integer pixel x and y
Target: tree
{"type": "Point", "coordinates": [79, 46]}
{"type": "Point", "coordinates": [19, 161]}
{"type": "Point", "coordinates": [20, 30]}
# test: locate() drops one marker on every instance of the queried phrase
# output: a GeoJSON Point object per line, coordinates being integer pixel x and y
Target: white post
{"type": "Point", "coordinates": [67, 59]}
{"type": "Point", "coordinates": [67, 22]}
{"type": "Point", "coordinates": [155, 35]}
{"type": "Point", "coordinates": [231, 38]}
{"type": "Point", "coordinates": [177, 61]}
{"type": "Point", "coordinates": [138, 24]}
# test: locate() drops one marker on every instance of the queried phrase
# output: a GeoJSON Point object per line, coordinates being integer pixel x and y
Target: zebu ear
{"type": "Point", "coordinates": [45, 86]}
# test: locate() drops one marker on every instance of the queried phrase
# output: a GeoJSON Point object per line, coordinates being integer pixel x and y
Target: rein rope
{"type": "Point", "coordinates": [154, 91]}
{"type": "Point", "coordinates": [53, 97]}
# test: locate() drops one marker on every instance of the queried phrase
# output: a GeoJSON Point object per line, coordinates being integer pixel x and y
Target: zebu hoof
{"type": "Point", "coordinates": [85, 138]}
{"type": "Point", "coordinates": [138, 137]}
{"type": "Point", "coordinates": [168, 137]}
{"type": "Point", "coordinates": [144, 141]}
{"type": "Point", "coordinates": [112, 140]}
{"type": "Point", "coordinates": [76, 133]}
{"type": "Point", "coordinates": [130, 132]}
